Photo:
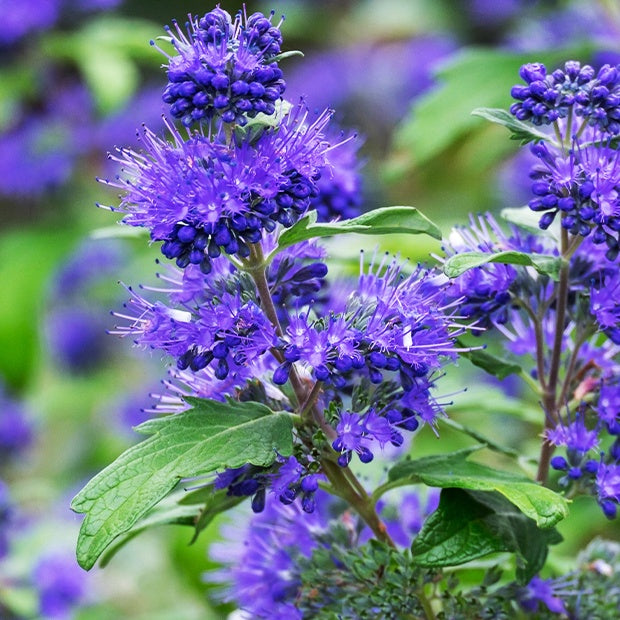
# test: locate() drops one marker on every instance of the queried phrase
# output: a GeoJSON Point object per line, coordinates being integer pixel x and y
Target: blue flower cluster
{"type": "Point", "coordinates": [262, 571]}
{"type": "Point", "coordinates": [594, 96]}
{"type": "Point", "coordinates": [586, 464]}
{"type": "Point", "coordinates": [487, 293]}
{"type": "Point", "coordinates": [204, 196]}
{"type": "Point", "coordinates": [224, 68]}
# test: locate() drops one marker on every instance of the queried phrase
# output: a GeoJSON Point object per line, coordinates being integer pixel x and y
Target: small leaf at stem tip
{"type": "Point", "coordinates": [453, 471]}
{"type": "Point", "coordinates": [210, 436]}
{"type": "Point", "coordinates": [544, 264]}
{"type": "Point", "coordinates": [284, 55]}
{"type": "Point", "coordinates": [521, 131]}
{"type": "Point", "coordinates": [382, 221]}
{"type": "Point", "coordinates": [490, 363]}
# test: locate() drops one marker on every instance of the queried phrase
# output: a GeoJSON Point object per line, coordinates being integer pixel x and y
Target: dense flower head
{"type": "Point", "coordinates": [391, 324]}
{"type": "Point", "coordinates": [262, 567]}
{"type": "Point", "coordinates": [228, 332]}
{"type": "Point", "coordinates": [262, 571]}
{"type": "Point", "coordinates": [485, 293]}
{"type": "Point", "coordinates": [224, 67]}
{"type": "Point", "coordinates": [204, 196]}
{"type": "Point", "coordinates": [547, 97]}
{"type": "Point", "coordinates": [581, 185]}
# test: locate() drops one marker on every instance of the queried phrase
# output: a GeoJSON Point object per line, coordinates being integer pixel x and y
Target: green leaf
{"type": "Point", "coordinates": [544, 264]}
{"type": "Point", "coordinates": [521, 131]}
{"type": "Point", "coordinates": [285, 55]}
{"type": "Point", "coordinates": [212, 435]}
{"type": "Point", "coordinates": [442, 116]}
{"type": "Point", "coordinates": [525, 218]}
{"type": "Point", "coordinates": [383, 221]}
{"type": "Point", "coordinates": [470, 524]}
{"type": "Point", "coordinates": [454, 471]}
{"type": "Point", "coordinates": [215, 504]}
{"type": "Point", "coordinates": [167, 512]}
{"type": "Point", "coordinates": [180, 508]}
{"type": "Point", "coordinates": [490, 363]}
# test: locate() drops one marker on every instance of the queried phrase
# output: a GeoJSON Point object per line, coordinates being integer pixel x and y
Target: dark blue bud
{"type": "Point", "coordinates": [378, 359]}
{"type": "Point", "coordinates": [546, 220]}
{"type": "Point", "coordinates": [365, 455]}
{"type": "Point", "coordinates": [393, 416]}
{"type": "Point", "coordinates": [258, 501]}
{"type": "Point", "coordinates": [396, 439]}
{"type": "Point", "coordinates": [220, 350]}
{"type": "Point", "coordinates": [591, 467]}
{"type": "Point", "coordinates": [344, 459]}
{"type": "Point", "coordinates": [609, 508]}
{"type": "Point", "coordinates": [575, 473]}
{"type": "Point", "coordinates": [221, 370]}
{"type": "Point", "coordinates": [288, 496]}
{"type": "Point", "coordinates": [316, 270]}
{"type": "Point", "coordinates": [280, 375]}
{"type": "Point", "coordinates": [559, 463]}
{"type": "Point", "coordinates": [186, 234]}
{"type": "Point", "coordinates": [249, 486]}
{"type": "Point", "coordinates": [309, 484]}
{"type": "Point", "coordinates": [321, 373]}
{"type": "Point", "coordinates": [375, 376]}
{"type": "Point", "coordinates": [308, 503]}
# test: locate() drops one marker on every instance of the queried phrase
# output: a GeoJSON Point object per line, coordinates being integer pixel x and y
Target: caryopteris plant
{"type": "Point", "coordinates": [281, 378]}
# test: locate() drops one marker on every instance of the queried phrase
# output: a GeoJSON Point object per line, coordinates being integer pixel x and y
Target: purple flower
{"type": "Point", "coordinates": [224, 68]}
{"type": "Point", "coordinates": [262, 564]}
{"type": "Point", "coordinates": [581, 185]}
{"type": "Point", "coordinates": [542, 591]}
{"type": "Point", "coordinates": [20, 19]}
{"type": "Point", "coordinates": [226, 332]}
{"type": "Point", "coordinates": [605, 306]}
{"type": "Point", "coordinates": [76, 338]}
{"type": "Point", "coordinates": [6, 511]}
{"type": "Point", "coordinates": [608, 488]}
{"type": "Point", "coordinates": [574, 435]}
{"type": "Point", "coordinates": [91, 262]}
{"type": "Point", "coordinates": [340, 185]}
{"type": "Point", "coordinates": [61, 585]}
{"type": "Point", "coordinates": [203, 196]}
{"type": "Point", "coordinates": [15, 430]}
{"type": "Point", "coordinates": [593, 96]}
{"type": "Point", "coordinates": [485, 293]}
{"type": "Point", "coordinates": [608, 406]}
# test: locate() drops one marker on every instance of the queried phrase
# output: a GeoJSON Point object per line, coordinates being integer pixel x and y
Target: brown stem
{"type": "Point", "coordinates": [347, 486]}
{"type": "Point", "coordinates": [362, 504]}
{"type": "Point", "coordinates": [550, 404]}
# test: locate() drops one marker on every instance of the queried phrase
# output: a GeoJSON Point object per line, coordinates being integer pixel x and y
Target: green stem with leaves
{"type": "Point", "coordinates": [346, 485]}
